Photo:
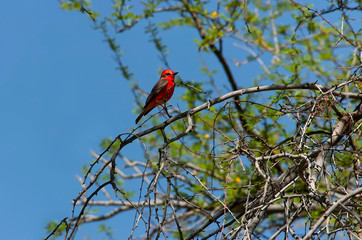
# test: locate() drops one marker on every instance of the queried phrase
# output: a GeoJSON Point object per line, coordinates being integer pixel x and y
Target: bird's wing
{"type": "Point", "coordinates": [156, 90]}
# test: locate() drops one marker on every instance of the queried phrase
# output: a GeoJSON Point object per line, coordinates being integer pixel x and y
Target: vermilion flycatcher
{"type": "Point", "coordinates": [160, 93]}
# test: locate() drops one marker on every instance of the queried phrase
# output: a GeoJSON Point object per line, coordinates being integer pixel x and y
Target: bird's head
{"type": "Point", "coordinates": [168, 74]}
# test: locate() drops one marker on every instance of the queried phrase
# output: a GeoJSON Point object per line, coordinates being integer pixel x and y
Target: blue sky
{"type": "Point", "coordinates": [59, 95]}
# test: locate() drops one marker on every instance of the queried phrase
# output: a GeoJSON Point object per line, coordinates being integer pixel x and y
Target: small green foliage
{"type": "Point", "coordinates": [207, 72]}
{"type": "Point", "coordinates": [103, 228]}
{"type": "Point", "coordinates": [185, 21]}
{"type": "Point", "coordinates": [312, 26]}
{"type": "Point", "coordinates": [110, 144]}
{"type": "Point", "coordinates": [71, 5]}
{"type": "Point", "coordinates": [85, 169]}
{"type": "Point", "coordinates": [50, 226]}
{"type": "Point", "coordinates": [78, 5]}
{"type": "Point", "coordinates": [152, 30]}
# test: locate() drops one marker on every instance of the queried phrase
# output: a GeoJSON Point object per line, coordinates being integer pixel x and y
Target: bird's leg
{"type": "Point", "coordinates": [165, 108]}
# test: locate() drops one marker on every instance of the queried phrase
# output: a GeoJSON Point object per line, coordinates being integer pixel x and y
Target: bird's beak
{"type": "Point", "coordinates": [175, 73]}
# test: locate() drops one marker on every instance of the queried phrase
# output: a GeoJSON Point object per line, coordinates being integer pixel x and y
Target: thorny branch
{"type": "Point", "coordinates": [250, 211]}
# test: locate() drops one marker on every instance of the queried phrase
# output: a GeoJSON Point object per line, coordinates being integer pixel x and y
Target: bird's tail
{"type": "Point", "coordinates": [139, 117]}
{"type": "Point", "coordinates": [143, 113]}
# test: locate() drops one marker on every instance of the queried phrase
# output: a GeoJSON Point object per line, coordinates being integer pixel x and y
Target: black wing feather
{"type": "Point", "coordinates": [156, 90]}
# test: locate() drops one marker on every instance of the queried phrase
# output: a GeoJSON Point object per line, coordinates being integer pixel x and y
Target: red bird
{"type": "Point", "coordinates": [160, 93]}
